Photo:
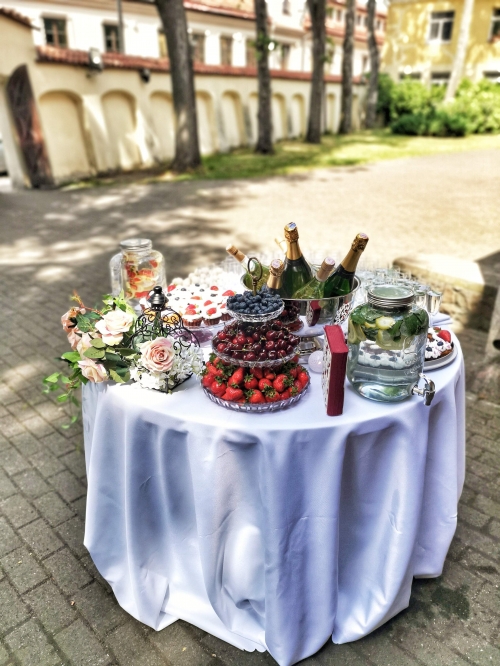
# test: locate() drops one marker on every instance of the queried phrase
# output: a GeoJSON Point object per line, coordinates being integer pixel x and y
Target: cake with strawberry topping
{"type": "Point", "coordinates": [212, 315]}
{"type": "Point", "coordinates": [439, 343]}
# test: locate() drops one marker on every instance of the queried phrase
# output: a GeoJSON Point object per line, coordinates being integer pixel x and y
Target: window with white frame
{"type": "Point", "coordinates": [286, 7]}
{"type": "Point", "coordinates": [493, 76]}
{"type": "Point", "coordinates": [339, 15]}
{"type": "Point", "coordinates": [441, 26]}
{"type": "Point", "coordinates": [440, 78]}
{"type": "Point", "coordinates": [226, 50]}
{"type": "Point", "coordinates": [197, 40]}
{"type": "Point", "coordinates": [495, 24]}
{"type": "Point", "coordinates": [55, 32]}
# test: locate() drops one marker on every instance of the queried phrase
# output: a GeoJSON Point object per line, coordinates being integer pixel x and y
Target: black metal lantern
{"type": "Point", "coordinates": [161, 321]}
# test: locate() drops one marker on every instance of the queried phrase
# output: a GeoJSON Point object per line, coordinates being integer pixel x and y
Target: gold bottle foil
{"type": "Point", "coordinates": [237, 254]}
{"type": "Point", "coordinates": [275, 274]}
{"type": "Point", "coordinates": [292, 242]}
{"type": "Point", "coordinates": [351, 259]}
{"type": "Point", "coordinates": [359, 243]}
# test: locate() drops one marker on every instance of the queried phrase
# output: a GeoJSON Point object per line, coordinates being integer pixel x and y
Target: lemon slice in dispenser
{"type": "Point", "coordinates": [385, 323]}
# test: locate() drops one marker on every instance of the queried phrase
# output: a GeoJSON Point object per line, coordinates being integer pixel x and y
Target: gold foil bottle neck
{"type": "Point", "coordinates": [291, 232]}
{"type": "Point", "coordinates": [360, 242]}
{"type": "Point", "coordinates": [276, 267]}
{"type": "Point", "coordinates": [325, 269]}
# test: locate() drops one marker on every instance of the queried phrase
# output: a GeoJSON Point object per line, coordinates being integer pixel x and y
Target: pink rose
{"type": "Point", "coordinates": [113, 325]}
{"type": "Point", "coordinates": [94, 372]}
{"type": "Point", "coordinates": [157, 355]}
{"type": "Point", "coordinates": [70, 328]}
{"type": "Point", "coordinates": [84, 343]}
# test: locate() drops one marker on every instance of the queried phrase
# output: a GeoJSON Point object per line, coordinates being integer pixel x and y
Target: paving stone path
{"type": "Point", "coordinates": [54, 606]}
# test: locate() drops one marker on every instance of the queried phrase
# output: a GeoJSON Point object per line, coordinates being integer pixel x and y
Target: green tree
{"type": "Point", "coordinates": [264, 118]}
{"type": "Point", "coordinates": [317, 12]}
{"type": "Point", "coordinates": [347, 61]}
{"type": "Point", "coordinates": [372, 95]}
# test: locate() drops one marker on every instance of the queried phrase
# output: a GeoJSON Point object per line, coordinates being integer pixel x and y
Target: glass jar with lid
{"type": "Point", "coordinates": [137, 269]}
{"type": "Point", "coordinates": [386, 339]}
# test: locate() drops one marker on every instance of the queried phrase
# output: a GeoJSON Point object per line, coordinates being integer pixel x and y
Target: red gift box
{"type": "Point", "coordinates": [334, 364]}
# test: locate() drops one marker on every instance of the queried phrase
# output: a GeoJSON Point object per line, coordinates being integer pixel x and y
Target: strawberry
{"type": "Point", "coordinates": [255, 397]}
{"type": "Point", "coordinates": [281, 383]}
{"type": "Point", "coordinates": [207, 380]}
{"type": "Point", "coordinates": [269, 374]}
{"type": "Point", "coordinates": [298, 386]}
{"type": "Point", "coordinates": [211, 311]}
{"type": "Point", "coordinates": [257, 372]}
{"type": "Point", "coordinates": [272, 395]}
{"type": "Point", "coordinates": [251, 382]}
{"type": "Point", "coordinates": [217, 372]}
{"type": "Point", "coordinates": [444, 335]}
{"type": "Point", "coordinates": [263, 383]}
{"type": "Point", "coordinates": [295, 359]}
{"type": "Point", "coordinates": [228, 293]}
{"type": "Point", "coordinates": [207, 303]}
{"type": "Point", "coordinates": [287, 393]}
{"type": "Point", "coordinates": [214, 288]}
{"type": "Point", "coordinates": [241, 400]}
{"type": "Point", "coordinates": [303, 378]}
{"type": "Point", "coordinates": [294, 372]}
{"type": "Point", "coordinates": [171, 287]}
{"type": "Point", "coordinates": [237, 377]}
{"type": "Point", "coordinates": [232, 394]}
{"type": "Point", "coordinates": [218, 387]}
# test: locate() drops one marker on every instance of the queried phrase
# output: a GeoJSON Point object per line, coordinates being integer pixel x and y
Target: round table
{"type": "Point", "coordinates": [271, 531]}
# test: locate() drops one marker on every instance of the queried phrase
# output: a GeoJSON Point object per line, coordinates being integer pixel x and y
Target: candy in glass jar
{"type": "Point", "coordinates": [142, 268]}
{"type": "Point", "coordinates": [387, 338]}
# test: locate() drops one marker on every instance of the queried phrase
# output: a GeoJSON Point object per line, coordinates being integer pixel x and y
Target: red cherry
{"type": "Point", "coordinates": [272, 354]}
{"type": "Point", "coordinates": [256, 336]}
{"type": "Point", "coordinates": [262, 356]}
{"type": "Point", "coordinates": [250, 356]}
{"type": "Point", "coordinates": [222, 335]}
{"type": "Point", "coordinates": [281, 353]}
{"type": "Point", "coordinates": [289, 349]}
{"type": "Point", "coordinates": [257, 347]}
{"type": "Point", "coordinates": [250, 340]}
{"type": "Point", "coordinates": [238, 355]}
{"type": "Point", "coordinates": [270, 344]}
{"type": "Point", "coordinates": [222, 348]}
{"type": "Point", "coordinates": [237, 346]}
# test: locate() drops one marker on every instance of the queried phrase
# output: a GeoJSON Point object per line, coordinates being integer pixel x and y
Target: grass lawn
{"type": "Point", "coordinates": [293, 156]}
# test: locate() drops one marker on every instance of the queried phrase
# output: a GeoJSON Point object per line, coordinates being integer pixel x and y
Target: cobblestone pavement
{"type": "Point", "coordinates": [54, 606]}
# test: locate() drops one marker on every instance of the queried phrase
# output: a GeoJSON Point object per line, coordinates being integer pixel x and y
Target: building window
{"type": "Point", "coordinates": [412, 75]}
{"type": "Point", "coordinates": [441, 26]}
{"type": "Point", "coordinates": [162, 44]}
{"type": "Point", "coordinates": [338, 15]}
{"type": "Point", "coordinates": [55, 32]}
{"type": "Point", "coordinates": [198, 46]}
{"type": "Point", "coordinates": [493, 76]}
{"type": "Point", "coordinates": [329, 12]}
{"type": "Point", "coordinates": [495, 25]}
{"type": "Point", "coordinates": [364, 63]}
{"type": "Point", "coordinates": [286, 7]}
{"type": "Point", "coordinates": [226, 51]}
{"type": "Point", "coordinates": [378, 25]}
{"type": "Point", "coordinates": [111, 38]}
{"type": "Point", "coordinates": [440, 78]}
{"type": "Point", "coordinates": [365, 21]}
{"type": "Point", "coordinates": [284, 54]}
{"type": "Point", "coordinates": [359, 19]}
{"type": "Point", "coordinates": [251, 60]}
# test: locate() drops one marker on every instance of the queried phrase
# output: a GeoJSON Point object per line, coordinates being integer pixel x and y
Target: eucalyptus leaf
{"type": "Point", "coordinates": [92, 352]}
{"type": "Point", "coordinates": [84, 323]}
{"type": "Point", "coordinates": [114, 375]}
{"type": "Point", "coordinates": [109, 356]}
{"type": "Point", "coordinates": [125, 351]}
{"type": "Point", "coordinates": [71, 356]}
{"type": "Point", "coordinates": [52, 379]}
{"type": "Point", "coordinates": [98, 343]}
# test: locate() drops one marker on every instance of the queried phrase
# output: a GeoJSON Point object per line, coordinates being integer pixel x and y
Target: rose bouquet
{"type": "Point", "coordinates": [105, 345]}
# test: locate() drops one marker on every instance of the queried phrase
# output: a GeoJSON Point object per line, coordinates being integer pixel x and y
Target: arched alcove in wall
{"type": "Point", "coordinates": [253, 107]}
{"type": "Point", "coordinates": [232, 118]}
{"type": "Point", "coordinates": [206, 123]}
{"type": "Point", "coordinates": [162, 113]}
{"type": "Point", "coordinates": [331, 112]}
{"type": "Point", "coordinates": [279, 118]}
{"type": "Point", "coordinates": [62, 120]}
{"type": "Point", "coordinates": [298, 115]}
{"type": "Point", "coordinates": [119, 112]}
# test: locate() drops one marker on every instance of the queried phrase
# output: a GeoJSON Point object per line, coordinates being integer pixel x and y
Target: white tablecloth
{"type": "Point", "coordinates": [274, 531]}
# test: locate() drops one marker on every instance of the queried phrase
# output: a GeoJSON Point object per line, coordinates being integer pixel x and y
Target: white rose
{"type": "Point", "coordinates": [113, 324]}
{"type": "Point", "coordinates": [94, 372]}
{"type": "Point", "coordinates": [84, 343]}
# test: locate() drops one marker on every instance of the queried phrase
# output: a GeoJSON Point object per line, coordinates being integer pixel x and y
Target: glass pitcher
{"type": "Point", "coordinates": [386, 339]}
{"type": "Point", "coordinates": [137, 269]}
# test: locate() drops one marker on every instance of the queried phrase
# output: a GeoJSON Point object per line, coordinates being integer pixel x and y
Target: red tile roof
{"type": "Point", "coordinates": [15, 16]}
{"type": "Point", "coordinates": [221, 9]}
{"type": "Point", "coordinates": [50, 54]}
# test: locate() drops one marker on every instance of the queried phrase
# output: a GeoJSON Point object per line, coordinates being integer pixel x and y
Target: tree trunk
{"type": "Point", "coordinates": [173, 18]}
{"type": "Point", "coordinates": [264, 118]}
{"type": "Point", "coordinates": [347, 58]}
{"type": "Point", "coordinates": [317, 12]}
{"type": "Point", "coordinates": [459, 59]}
{"type": "Point", "coordinates": [371, 103]}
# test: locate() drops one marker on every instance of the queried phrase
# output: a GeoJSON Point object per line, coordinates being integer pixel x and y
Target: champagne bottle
{"type": "Point", "coordinates": [243, 259]}
{"type": "Point", "coordinates": [274, 280]}
{"type": "Point", "coordinates": [297, 272]}
{"type": "Point", "coordinates": [341, 280]}
{"type": "Point", "coordinates": [316, 287]}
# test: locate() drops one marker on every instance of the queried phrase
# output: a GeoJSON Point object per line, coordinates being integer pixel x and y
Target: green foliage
{"type": "Point", "coordinates": [413, 109]}
{"type": "Point", "coordinates": [385, 89]}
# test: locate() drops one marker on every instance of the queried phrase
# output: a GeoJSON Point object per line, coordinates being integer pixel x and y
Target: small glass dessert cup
{"type": "Point", "coordinates": [387, 337]}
